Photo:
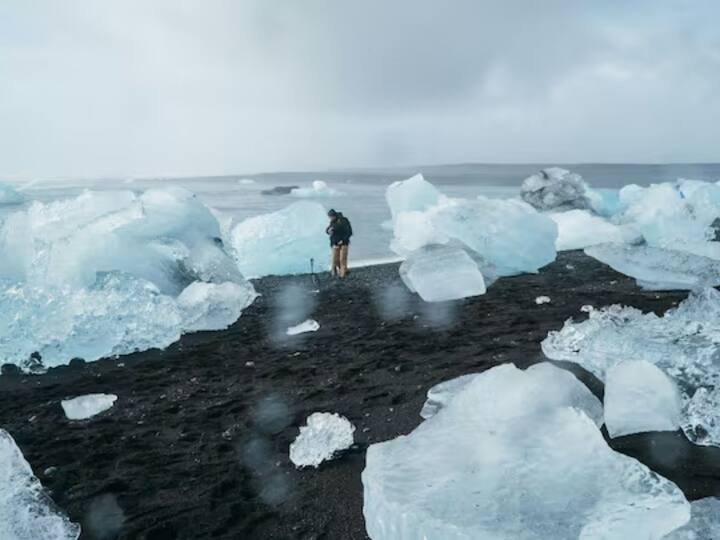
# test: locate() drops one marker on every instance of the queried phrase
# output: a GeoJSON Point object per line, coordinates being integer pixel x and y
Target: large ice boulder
{"type": "Point", "coordinates": [578, 229]}
{"type": "Point", "coordinates": [109, 273]}
{"type": "Point", "coordinates": [438, 273]}
{"type": "Point", "coordinates": [659, 269]}
{"type": "Point", "coordinates": [323, 435]}
{"type": "Point", "coordinates": [512, 454]}
{"type": "Point", "coordinates": [412, 195]}
{"type": "Point", "coordinates": [318, 188]}
{"type": "Point", "coordinates": [26, 511]}
{"type": "Point", "coordinates": [87, 406]}
{"type": "Point", "coordinates": [8, 195]}
{"type": "Point", "coordinates": [684, 343]}
{"type": "Point", "coordinates": [639, 397]}
{"type": "Point", "coordinates": [508, 237]}
{"type": "Point", "coordinates": [282, 242]}
{"type": "Point", "coordinates": [555, 189]}
{"type": "Point", "coordinates": [704, 522]}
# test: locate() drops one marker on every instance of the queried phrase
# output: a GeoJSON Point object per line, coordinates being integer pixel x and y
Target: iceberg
{"type": "Point", "coordinates": [704, 522]}
{"type": "Point", "coordinates": [506, 237]}
{"type": "Point", "coordinates": [684, 343]}
{"type": "Point", "coordinates": [438, 273]}
{"type": "Point", "coordinates": [8, 195]}
{"type": "Point", "coordinates": [318, 188]}
{"type": "Point", "coordinates": [578, 229]}
{"type": "Point", "coordinates": [322, 436]}
{"type": "Point", "coordinates": [659, 269]}
{"type": "Point", "coordinates": [26, 511]}
{"type": "Point", "coordinates": [514, 454]}
{"type": "Point", "coordinates": [639, 397]}
{"type": "Point", "coordinates": [87, 406]}
{"type": "Point", "coordinates": [282, 242]}
{"type": "Point", "coordinates": [555, 189]}
{"type": "Point", "coordinates": [111, 272]}
{"type": "Point", "coordinates": [412, 195]}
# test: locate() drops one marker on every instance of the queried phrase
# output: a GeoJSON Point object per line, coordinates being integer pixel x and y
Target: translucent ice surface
{"type": "Point", "coordinates": [507, 237]}
{"type": "Point", "coordinates": [322, 436]}
{"type": "Point", "coordinates": [310, 325]}
{"type": "Point", "coordinates": [282, 242]}
{"type": "Point", "coordinates": [514, 455]}
{"type": "Point", "coordinates": [704, 522]}
{"type": "Point", "coordinates": [639, 397]}
{"type": "Point", "coordinates": [684, 344]}
{"type": "Point", "coordinates": [104, 273]}
{"type": "Point", "coordinates": [412, 195]}
{"type": "Point", "coordinates": [657, 268]}
{"type": "Point", "coordinates": [26, 512]}
{"type": "Point", "coordinates": [9, 195]}
{"type": "Point", "coordinates": [438, 273]}
{"type": "Point", "coordinates": [87, 406]}
{"type": "Point", "coordinates": [578, 229]}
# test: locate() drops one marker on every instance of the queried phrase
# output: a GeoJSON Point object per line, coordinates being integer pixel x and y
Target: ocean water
{"type": "Point", "coordinates": [363, 190]}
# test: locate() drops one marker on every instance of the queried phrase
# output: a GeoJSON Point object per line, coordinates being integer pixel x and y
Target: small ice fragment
{"type": "Point", "coordinates": [324, 434]}
{"type": "Point", "coordinates": [318, 188]}
{"type": "Point", "coordinates": [87, 406]}
{"type": "Point", "coordinates": [310, 325]}
{"type": "Point", "coordinates": [26, 511]}
{"type": "Point", "coordinates": [246, 181]}
{"type": "Point", "coordinates": [542, 300]}
{"type": "Point", "coordinates": [587, 308]}
{"type": "Point", "coordinates": [639, 397]}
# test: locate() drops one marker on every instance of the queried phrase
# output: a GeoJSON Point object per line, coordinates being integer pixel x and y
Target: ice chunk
{"type": "Point", "coordinates": [512, 455]}
{"type": "Point", "coordinates": [9, 195]}
{"type": "Point", "coordinates": [684, 344]}
{"type": "Point", "coordinates": [26, 511]}
{"type": "Point", "coordinates": [555, 189]}
{"type": "Point", "coordinates": [100, 274]}
{"type": "Point", "coordinates": [307, 326]}
{"type": "Point", "coordinates": [542, 300]}
{"type": "Point", "coordinates": [508, 236]}
{"type": "Point", "coordinates": [657, 268]}
{"type": "Point", "coordinates": [578, 229]}
{"type": "Point", "coordinates": [87, 406]}
{"type": "Point", "coordinates": [213, 306]}
{"type": "Point", "coordinates": [704, 522]}
{"type": "Point", "coordinates": [246, 181]}
{"type": "Point", "coordinates": [318, 188]}
{"type": "Point", "coordinates": [324, 434]}
{"type": "Point", "coordinates": [438, 273]}
{"type": "Point", "coordinates": [282, 242]}
{"type": "Point", "coordinates": [639, 397]}
{"type": "Point", "coordinates": [412, 195]}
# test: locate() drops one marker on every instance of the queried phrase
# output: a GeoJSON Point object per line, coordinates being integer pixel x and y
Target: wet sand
{"type": "Point", "coordinates": [196, 445]}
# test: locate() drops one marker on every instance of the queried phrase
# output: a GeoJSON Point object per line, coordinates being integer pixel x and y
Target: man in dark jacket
{"type": "Point", "coordinates": [340, 232]}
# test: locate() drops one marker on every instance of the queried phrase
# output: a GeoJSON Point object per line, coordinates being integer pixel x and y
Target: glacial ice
{"type": "Point", "coordinates": [438, 273]}
{"type": "Point", "coordinates": [506, 237]}
{"type": "Point", "coordinates": [104, 273]}
{"type": "Point", "coordinates": [282, 242]}
{"type": "Point", "coordinates": [310, 325]}
{"type": "Point", "coordinates": [578, 229]}
{"type": "Point", "coordinates": [659, 269]}
{"type": "Point", "coordinates": [412, 195]}
{"type": "Point", "coordinates": [684, 343]}
{"type": "Point", "coordinates": [318, 188]}
{"type": "Point", "coordinates": [555, 189]}
{"type": "Point", "coordinates": [514, 455]}
{"type": "Point", "coordinates": [704, 522]}
{"type": "Point", "coordinates": [323, 435]}
{"type": "Point", "coordinates": [87, 406]}
{"type": "Point", "coordinates": [26, 511]}
{"type": "Point", "coordinates": [639, 397]}
{"type": "Point", "coordinates": [8, 195]}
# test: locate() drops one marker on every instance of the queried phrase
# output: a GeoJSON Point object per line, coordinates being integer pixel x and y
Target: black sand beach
{"type": "Point", "coordinates": [197, 444]}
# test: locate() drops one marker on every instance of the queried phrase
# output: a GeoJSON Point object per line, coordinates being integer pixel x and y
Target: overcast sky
{"type": "Point", "coordinates": [176, 87]}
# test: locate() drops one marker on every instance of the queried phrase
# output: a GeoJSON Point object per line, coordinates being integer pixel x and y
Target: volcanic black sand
{"type": "Point", "coordinates": [197, 444]}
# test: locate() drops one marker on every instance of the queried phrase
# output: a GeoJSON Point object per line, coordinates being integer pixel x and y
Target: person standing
{"type": "Point", "coordinates": [340, 231]}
